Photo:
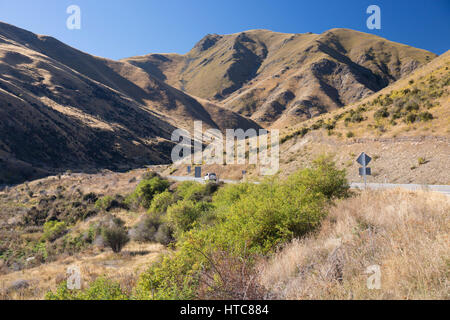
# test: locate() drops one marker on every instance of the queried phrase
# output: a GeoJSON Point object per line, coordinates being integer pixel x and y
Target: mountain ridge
{"type": "Point", "coordinates": [65, 109]}
{"type": "Point", "coordinates": [280, 78]}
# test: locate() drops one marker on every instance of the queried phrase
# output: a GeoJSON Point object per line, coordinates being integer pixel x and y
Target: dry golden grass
{"type": "Point", "coordinates": [124, 268]}
{"type": "Point", "coordinates": [405, 233]}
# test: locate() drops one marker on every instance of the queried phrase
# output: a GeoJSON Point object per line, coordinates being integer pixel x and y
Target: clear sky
{"type": "Point", "coordinates": [119, 28]}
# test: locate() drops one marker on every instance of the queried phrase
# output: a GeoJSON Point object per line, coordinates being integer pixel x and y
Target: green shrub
{"type": "Point", "coordinates": [350, 134]}
{"type": "Point", "coordinates": [161, 202]}
{"type": "Point", "coordinates": [104, 203]}
{"type": "Point", "coordinates": [174, 277]}
{"type": "Point", "coordinates": [411, 117]}
{"type": "Point", "coordinates": [183, 215]}
{"type": "Point", "coordinates": [146, 190]}
{"type": "Point", "coordinates": [151, 228]}
{"type": "Point", "coordinates": [116, 237]}
{"type": "Point", "coordinates": [381, 113]}
{"type": "Point", "coordinates": [270, 214]}
{"type": "Point", "coordinates": [54, 230]}
{"type": "Point", "coordinates": [425, 116]}
{"type": "Point", "coordinates": [229, 194]}
{"type": "Point", "coordinates": [323, 178]}
{"type": "Point", "coordinates": [193, 191]}
{"type": "Point", "coordinates": [100, 289]}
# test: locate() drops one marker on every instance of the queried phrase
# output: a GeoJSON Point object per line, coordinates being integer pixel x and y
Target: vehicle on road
{"type": "Point", "coordinates": [211, 177]}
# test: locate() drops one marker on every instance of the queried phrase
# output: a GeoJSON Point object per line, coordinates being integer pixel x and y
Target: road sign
{"type": "Point", "coordinates": [368, 171]}
{"type": "Point", "coordinates": [198, 172]}
{"type": "Point", "coordinates": [189, 169]}
{"type": "Point", "coordinates": [364, 159]}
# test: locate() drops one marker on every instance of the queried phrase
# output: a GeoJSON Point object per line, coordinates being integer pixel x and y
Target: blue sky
{"type": "Point", "coordinates": [118, 28]}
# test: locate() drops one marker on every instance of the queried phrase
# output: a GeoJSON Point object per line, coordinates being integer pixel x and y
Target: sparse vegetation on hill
{"type": "Point", "coordinates": [243, 221]}
{"type": "Point", "coordinates": [417, 103]}
{"type": "Point", "coordinates": [280, 79]}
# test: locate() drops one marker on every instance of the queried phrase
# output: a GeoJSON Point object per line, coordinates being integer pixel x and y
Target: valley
{"type": "Point", "coordinates": [87, 179]}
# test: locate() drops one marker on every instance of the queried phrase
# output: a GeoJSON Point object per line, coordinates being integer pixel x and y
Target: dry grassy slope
{"type": "Point", "coordinates": [396, 147]}
{"type": "Point", "coordinates": [54, 117]}
{"type": "Point", "coordinates": [278, 79]}
{"type": "Point", "coordinates": [93, 261]}
{"type": "Point", "coordinates": [178, 108]}
{"type": "Point", "coordinates": [405, 233]}
{"type": "Point", "coordinates": [62, 108]}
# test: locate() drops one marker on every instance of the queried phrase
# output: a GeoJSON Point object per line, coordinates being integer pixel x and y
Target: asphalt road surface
{"type": "Point", "coordinates": [376, 186]}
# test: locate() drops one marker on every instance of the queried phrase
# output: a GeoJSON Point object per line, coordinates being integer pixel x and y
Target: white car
{"type": "Point", "coordinates": [211, 177]}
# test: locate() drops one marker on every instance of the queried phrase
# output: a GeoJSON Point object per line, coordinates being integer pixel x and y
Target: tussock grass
{"type": "Point", "coordinates": [405, 233]}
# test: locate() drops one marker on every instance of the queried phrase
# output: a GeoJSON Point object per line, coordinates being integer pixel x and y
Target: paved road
{"type": "Point", "coordinates": [184, 178]}
{"type": "Point", "coordinates": [376, 186]}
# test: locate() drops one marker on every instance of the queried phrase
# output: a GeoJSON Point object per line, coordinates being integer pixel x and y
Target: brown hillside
{"type": "Point", "coordinates": [64, 109]}
{"type": "Point", "coordinates": [278, 79]}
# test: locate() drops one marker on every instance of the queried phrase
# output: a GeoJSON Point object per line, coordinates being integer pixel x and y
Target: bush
{"type": "Point", "coordinates": [230, 278]}
{"type": "Point", "coordinates": [174, 277]}
{"type": "Point", "coordinates": [350, 134]}
{"type": "Point", "coordinates": [412, 106]}
{"type": "Point", "coordinates": [151, 228]}
{"type": "Point", "coordinates": [229, 194]}
{"type": "Point", "coordinates": [146, 190]}
{"type": "Point", "coordinates": [323, 178]}
{"type": "Point", "coordinates": [269, 214]}
{"type": "Point", "coordinates": [54, 230]}
{"type": "Point", "coordinates": [411, 117]}
{"type": "Point", "coordinates": [161, 202]}
{"type": "Point", "coordinates": [382, 113]}
{"type": "Point", "coordinates": [109, 203]}
{"type": "Point", "coordinates": [194, 191]}
{"type": "Point", "coordinates": [90, 198]}
{"type": "Point", "coordinates": [426, 116]}
{"type": "Point", "coordinates": [357, 118]}
{"type": "Point", "coordinates": [116, 237]}
{"type": "Point", "coordinates": [100, 289]}
{"type": "Point", "coordinates": [184, 215]}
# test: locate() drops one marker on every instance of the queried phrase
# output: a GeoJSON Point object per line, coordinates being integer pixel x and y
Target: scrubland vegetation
{"type": "Point", "coordinates": [306, 236]}
{"type": "Point", "coordinates": [215, 231]}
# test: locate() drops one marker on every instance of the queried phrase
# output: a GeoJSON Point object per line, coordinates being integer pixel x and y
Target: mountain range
{"type": "Point", "coordinates": [279, 79]}
{"type": "Point", "coordinates": [65, 109]}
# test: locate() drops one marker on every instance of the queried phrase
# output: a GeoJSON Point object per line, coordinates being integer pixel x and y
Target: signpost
{"type": "Point", "coordinates": [189, 169]}
{"type": "Point", "coordinates": [198, 172]}
{"type": "Point", "coordinates": [364, 160]}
